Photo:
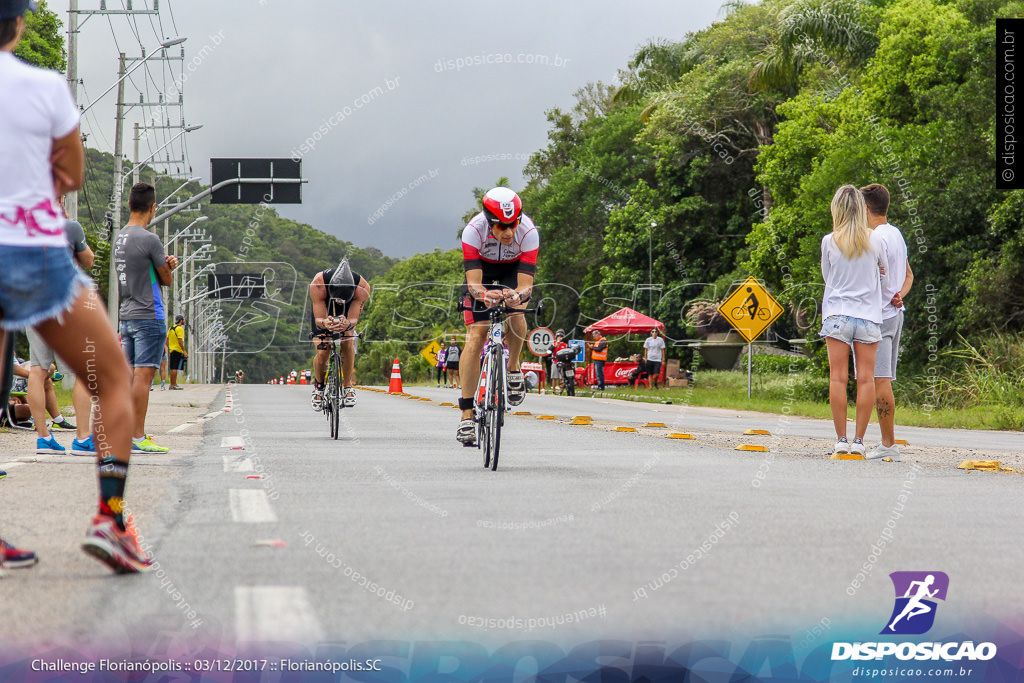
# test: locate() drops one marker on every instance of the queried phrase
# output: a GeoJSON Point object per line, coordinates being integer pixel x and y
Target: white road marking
{"type": "Point", "coordinates": [251, 506]}
{"type": "Point", "coordinates": [231, 442]}
{"type": "Point", "coordinates": [275, 613]}
{"type": "Point", "coordinates": [237, 464]}
{"type": "Point", "coordinates": [180, 428]}
{"type": "Point", "coordinates": [210, 416]}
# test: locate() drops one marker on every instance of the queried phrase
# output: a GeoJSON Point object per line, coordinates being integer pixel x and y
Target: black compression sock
{"type": "Point", "coordinates": [113, 475]}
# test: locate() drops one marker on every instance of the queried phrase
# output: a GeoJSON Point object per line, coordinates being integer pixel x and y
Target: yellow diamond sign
{"type": "Point", "coordinates": [750, 309]}
{"type": "Point", "coordinates": [430, 352]}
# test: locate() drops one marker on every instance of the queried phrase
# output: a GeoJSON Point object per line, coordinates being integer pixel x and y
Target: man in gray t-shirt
{"type": "Point", "coordinates": [138, 255]}
{"type": "Point", "coordinates": [142, 269]}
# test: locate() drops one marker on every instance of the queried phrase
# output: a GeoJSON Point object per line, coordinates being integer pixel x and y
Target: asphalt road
{"type": "Point", "coordinates": [397, 531]}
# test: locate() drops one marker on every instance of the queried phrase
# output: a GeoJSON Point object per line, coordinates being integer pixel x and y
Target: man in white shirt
{"type": "Point", "coordinates": [653, 353]}
{"type": "Point", "coordinates": [895, 286]}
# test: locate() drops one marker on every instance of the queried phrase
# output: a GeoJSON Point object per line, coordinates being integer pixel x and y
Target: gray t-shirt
{"type": "Point", "coordinates": [452, 354]}
{"type": "Point", "coordinates": [75, 233]}
{"type": "Point", "coordinates": [137, 255]}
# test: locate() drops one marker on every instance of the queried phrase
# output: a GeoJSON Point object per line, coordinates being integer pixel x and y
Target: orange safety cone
{"type": "Point", "coordinates": [302, 378]}
{"type": "Point", "coordinates": [396, 379]}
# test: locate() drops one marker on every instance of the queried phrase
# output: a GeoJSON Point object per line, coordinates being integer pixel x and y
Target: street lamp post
{"type": "Point", "coordinates": [650, 269]}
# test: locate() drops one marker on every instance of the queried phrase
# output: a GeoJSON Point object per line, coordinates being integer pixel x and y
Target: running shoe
{"type": "Point", "coordinates": [142, 446]}
{"type": "Point", "coordinates": [2, 474]}
{"type": "Point", "coordinates": [842, 446]}
{"type": "Point", "coordinates": [16, 558]}
{"type": "Point", "coordinates": [64, 424]}
{"type": "Point", "coordinates": [175, 387]}
{"type": "Point", "coordinates": [117, 549]}
{"type": "Point", "coordinates": [857, 447]}
{"type": "Point", "coordinates": [880, 451]}
{"type": "Point", "coordinates": [466, 433]}
{"type": "Point", "coordinates": [516, 387]}
{"type": "Point", "coordinates": [350, 398]}
{"type": "Point", "coordinates": [49, 446]}
{"type": "Point", "coordinates": [316, 401]}
{"type": "Point", "coordinates": [85, 447]}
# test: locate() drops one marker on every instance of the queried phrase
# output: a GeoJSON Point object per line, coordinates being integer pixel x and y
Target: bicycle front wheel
{"type": "Point", "coordinates": [496, 407]}
{"type": "Point", "coordinates": [334, 398]}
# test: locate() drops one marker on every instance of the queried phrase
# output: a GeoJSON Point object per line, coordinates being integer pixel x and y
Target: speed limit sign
{"type": "Point", "coordinates": [540, 341]}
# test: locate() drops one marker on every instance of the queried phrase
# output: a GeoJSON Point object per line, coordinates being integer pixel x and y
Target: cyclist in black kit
{"type": "Point", "coordinates": [338, 297]}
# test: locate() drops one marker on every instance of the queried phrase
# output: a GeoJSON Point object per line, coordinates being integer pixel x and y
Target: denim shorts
{"type": "Point", "coordinates": [848, 329]}
{"type": "Point", "coordinates": [143, 342]}
{"type": "Point", "coordinates": [36, 284]}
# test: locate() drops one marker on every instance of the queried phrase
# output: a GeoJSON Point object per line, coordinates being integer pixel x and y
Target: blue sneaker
{"type": "Point", "coordinates": [49, 446]}
{"type": "Point", "coordinates": [83, 447]}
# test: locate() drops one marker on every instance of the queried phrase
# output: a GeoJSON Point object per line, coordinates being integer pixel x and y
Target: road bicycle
{"type": "Point", "coordinates": [491, 401]}
{"type": "Point", "coordinates": [332, 401]}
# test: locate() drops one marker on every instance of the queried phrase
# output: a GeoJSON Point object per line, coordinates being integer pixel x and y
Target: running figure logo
{"type": "Point", "coordinates": [916, 593]}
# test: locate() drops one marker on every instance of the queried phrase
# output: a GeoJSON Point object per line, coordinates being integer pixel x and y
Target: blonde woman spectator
{"type": "Point", "coordinates": [852, 264]}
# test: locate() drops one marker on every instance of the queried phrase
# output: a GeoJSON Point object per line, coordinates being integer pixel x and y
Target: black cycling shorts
{"type": "Point", "coordinates": [495, 276]}
{"type": "Point", "coordinates": [333, 309]}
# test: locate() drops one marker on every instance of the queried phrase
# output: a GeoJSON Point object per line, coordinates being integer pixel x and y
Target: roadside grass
{"type": "Point", "coordinates": [806, 394]}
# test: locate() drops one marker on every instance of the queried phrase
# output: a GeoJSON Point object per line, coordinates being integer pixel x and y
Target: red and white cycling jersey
{"type": "Point", "coordinates": [480, 247]}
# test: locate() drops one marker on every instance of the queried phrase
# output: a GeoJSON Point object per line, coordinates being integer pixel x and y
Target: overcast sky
{"type": "Point", "coordinates": [386, 92]}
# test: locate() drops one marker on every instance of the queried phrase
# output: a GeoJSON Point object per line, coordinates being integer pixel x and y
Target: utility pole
{"type": "Point", "coordinates": [71, 198]}
{"type": "Point", "coordinates": [115, 218]}
{"type": "Point", "coordinates": [137, 170]}
{"type": "Point", "coordinates": [74, 28]}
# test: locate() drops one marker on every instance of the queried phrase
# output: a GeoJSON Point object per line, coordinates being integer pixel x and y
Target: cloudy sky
{"type": "Point", "coordinates": [397, 109]}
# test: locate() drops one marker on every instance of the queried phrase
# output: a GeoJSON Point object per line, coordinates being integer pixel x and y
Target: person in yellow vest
{"type": "Point", "coordinates": [599, 354]}
{"type": "Point", "coordinates": [176, 346]}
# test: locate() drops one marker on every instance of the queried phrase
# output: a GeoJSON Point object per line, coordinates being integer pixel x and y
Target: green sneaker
{"type": "Point", "coordinates": [147, 446]}
{"type": "Point", "coordinates": [64, 424]}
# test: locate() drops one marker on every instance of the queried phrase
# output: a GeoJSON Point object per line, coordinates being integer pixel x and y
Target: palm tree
{"type": "Point", "coordinates": [833, 32]}
{"type": "Point", "coordinates": [654, 67]}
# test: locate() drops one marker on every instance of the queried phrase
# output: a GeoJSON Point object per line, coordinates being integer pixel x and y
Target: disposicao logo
{"type": "Point", "coordinates": [916, 593]}
{"type": "Point", "coordinates": [914, 614]}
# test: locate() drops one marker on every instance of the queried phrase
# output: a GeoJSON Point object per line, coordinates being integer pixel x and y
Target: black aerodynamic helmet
{"type": "Point", "coordinates": [342, 286]}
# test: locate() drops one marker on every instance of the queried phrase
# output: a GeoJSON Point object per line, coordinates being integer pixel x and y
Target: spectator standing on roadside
{"type": "Point", "coordinates": [599, 354]}
{"type": "Point", "coordinates": [853, 262]}
{"type": "Point", "coordinates": [142, 268]}
{"type": "Point", "coordinates": [897, 285]}
{"type": "Point", "coordinates": [42, 158]}
{"type": "Point", "coordinates": [176, 348]}
{"type": "Point", "coordinates": [654, 350]}
{"type": "Point", "coordinates": [452, 356]}
{"type": "Point", "coordinates": [442, 369]}
{"type": "Point", "coordinates": [41, 395]}
{"type": "Point", "coordinates": [556, 370]}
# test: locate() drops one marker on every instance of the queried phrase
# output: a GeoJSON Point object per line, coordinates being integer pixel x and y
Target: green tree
{"type": "Point", "coordinates": [42, 44]}
{"type": "Point", "coordinates": [920, 122]}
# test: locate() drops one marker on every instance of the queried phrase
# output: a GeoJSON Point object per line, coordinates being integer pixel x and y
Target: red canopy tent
{"type": "Point", "coordinates": [623, 321]}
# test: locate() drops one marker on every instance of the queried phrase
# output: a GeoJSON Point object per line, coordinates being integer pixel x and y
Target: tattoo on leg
{"type": "Point", "coordinates": [883, 407]}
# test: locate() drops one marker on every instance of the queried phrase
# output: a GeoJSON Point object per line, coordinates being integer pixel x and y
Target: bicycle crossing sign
{"type": "Point", "coordinates": [430, 352]}
{"type": "Point", "coordinates": [750, 309]}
